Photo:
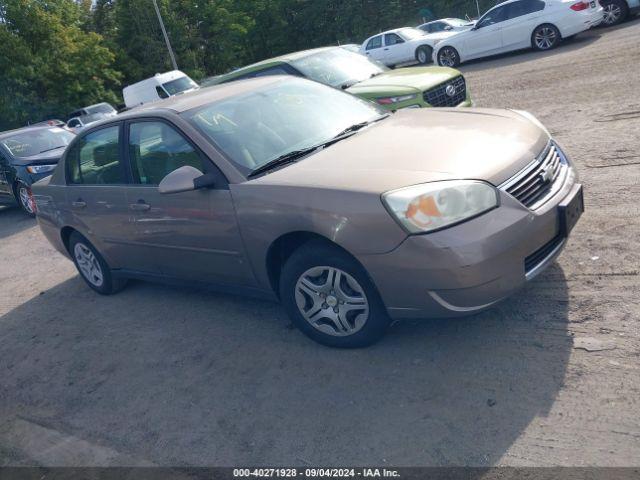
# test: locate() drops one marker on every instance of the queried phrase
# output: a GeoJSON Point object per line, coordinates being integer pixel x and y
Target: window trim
{"type": "Point", "coordinates": [209, 165]}
{"type": "Point", "coordinates": [367, 48]}
{"type": "Point", "coordinates": [81, 137]}
{"type": "Point", "coordinates": [497, 7]}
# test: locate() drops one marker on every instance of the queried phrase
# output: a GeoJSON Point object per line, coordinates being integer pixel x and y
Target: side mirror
{"type": "Point", "coordinates": [185, 179]}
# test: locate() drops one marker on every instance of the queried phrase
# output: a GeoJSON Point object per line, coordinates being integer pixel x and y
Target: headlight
{"type": "Point", "coordinates": [432, 206]}
{"type": "Point", "coordinates": [392, 100]}
{"type": "Point", "coordinates": [40, 168]}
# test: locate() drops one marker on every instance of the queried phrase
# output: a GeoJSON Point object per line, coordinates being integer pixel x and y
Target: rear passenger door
{"type": "Point", "coordinates": [522, 17]}
{"type": "Point", "coordinates": [373, 48]}
{"type": "Point", "coordinates": [96, 183]}
{"type": "Point", "coordinates": [190, 235]}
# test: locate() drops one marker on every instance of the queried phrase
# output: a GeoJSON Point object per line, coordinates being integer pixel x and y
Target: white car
{"type": "Point", "coordinates": [402, 45]}
{"type": "Point", "coordinates": [519, 24]}
{"type": "Point", "coordinates": [446, 25]}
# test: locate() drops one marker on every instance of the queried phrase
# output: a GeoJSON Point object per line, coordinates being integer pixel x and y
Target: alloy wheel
{"type": "Point", "coordinates": [612, 13]}
{"type": "Point", "coordinates": [332, 301]}
{"type": "Point", "coordinates": [448, 57]}
{"type": "Point", "coordinates": [545, 38]}
{"type": "Point", "coordinates": [25, 199]}
{"type": "Point", "coordinates": [88, 265]}
{"type": "Point", "coordinates": [422, 56]}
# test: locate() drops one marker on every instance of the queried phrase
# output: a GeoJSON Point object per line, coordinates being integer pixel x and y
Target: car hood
{"type": "Point", "coordinates": [418, 146]}
{"type": "Point", "coordinates": [436, 37]}
{"type": "Point", "coordinates": [404, 80]}
{"type": "Point", "coordinates": [50, 157]}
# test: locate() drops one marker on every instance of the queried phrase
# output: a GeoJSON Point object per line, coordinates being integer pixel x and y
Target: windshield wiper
{"type": "Point", "coordinates": [296, 154]}
{"type": "Point", "coordinates": [357, 126]}
{"type": "Point", "coordinates": [54, 148]}
{"type": "Point", "coordinates": [283, 160]}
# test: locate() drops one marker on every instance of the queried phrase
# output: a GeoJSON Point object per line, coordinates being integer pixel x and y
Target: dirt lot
{"type": "Point", "coordinates": [159, 375]}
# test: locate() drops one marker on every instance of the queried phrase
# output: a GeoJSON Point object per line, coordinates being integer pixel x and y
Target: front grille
{"type": "Point", "coordinates": [438, 96]}
{"type": "Point", "coordinates": [537, 257]}
{"type": "Point", "coordinates": [536, 182]}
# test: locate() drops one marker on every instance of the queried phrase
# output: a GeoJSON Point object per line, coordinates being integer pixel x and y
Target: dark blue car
{"type": "Point", "coordinates": [27, 155]}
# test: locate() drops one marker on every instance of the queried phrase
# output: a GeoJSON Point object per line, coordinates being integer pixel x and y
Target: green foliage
{"type": "Point", "coordinates": [59, 55]}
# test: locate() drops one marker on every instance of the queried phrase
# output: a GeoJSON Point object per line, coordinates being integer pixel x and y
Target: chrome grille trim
{"type": "Point", "coordinates": [539, 180]}
{"type": "Point", "coordinates": [437, 96]}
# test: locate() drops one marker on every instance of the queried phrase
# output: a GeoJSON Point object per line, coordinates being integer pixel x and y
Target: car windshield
{"type": "Point", "coordinates": [34, 142]}
{"type": "Point", "coordinates": [179, 85]}
{"type": "Point", "coordinates": [101, 108]}
{"type": "Point", "coordinates": [290, 115]}
{"type": "Point", "coordinates": [458, 22]}
{"type": "Point", "coordinates": [338, 67]}
{"type": "Point", "coordinates": [410, 33]}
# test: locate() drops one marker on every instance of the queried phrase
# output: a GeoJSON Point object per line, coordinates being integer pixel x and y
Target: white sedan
{"type": "Point", "coordinates": [519, 24]}
{"type": "Point", "coordinates": [402, 45]}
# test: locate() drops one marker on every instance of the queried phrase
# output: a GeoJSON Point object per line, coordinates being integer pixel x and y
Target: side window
{"type": "Point", "coordinates": [492, 17]}
{"type": "Point", "coordinates": [437, 27]}
{"type": "Point", "coordinates": [156, 149]}
{"type": "Point", "coordinates": [392, 39]}
{"type": "Point", "coordinates": [73, 123]}
{"type": "Point", "coordinates": [524, 7]}
{"type": "Point", "coordinates": [375, 42]}
{"type": "Point", "coordinates": [95, 159]}
{"type": "Point", "coordinates": [161, 92]}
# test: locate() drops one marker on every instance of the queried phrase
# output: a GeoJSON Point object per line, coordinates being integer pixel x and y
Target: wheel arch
{"type": "Point", "coordinates": [562, 37]}
{"type": "Point", "coordinates": [283, 247]}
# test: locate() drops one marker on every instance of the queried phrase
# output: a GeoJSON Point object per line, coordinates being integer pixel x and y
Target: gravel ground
{"type": "Point", "coordinates": [161, 375]}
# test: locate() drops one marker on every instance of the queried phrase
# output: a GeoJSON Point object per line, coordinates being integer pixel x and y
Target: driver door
{"type": "Point", "coordinates": [374, 49]}
{"type": "Point", "coordinates": [486, 37]}
{"type": "Point", "coordinates": [190, 235]}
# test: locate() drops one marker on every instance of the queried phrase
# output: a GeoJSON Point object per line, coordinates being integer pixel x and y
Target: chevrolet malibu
{"type": "Point", "coordinates": [284, 188]}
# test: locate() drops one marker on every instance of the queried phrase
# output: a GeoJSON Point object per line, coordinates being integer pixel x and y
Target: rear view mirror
{"type": "Point", "coordinates": [185, 179]}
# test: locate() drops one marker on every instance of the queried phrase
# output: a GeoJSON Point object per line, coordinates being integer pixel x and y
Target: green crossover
{"type": "Point", "coordinates": [356, 74]}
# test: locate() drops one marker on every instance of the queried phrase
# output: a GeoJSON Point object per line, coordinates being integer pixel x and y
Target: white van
{"type": "Point", "coordinates": [161, 85]}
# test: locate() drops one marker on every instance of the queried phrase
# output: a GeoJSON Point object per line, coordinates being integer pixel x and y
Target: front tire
{"type": "Point", "coordinates": [545, 37]}
{"type": "Point", "coordinates": [92, 267]}
{"type": "Point", "coordinates": [24, 198]}
{"type": "Point", "coordinates": [615, 11]}
{"type": "Point", "coordinates": [330, 297]}
{"type": "Point", "coordinates": [423, 54]}
{"type": "Point", "coordinates": [448, 57]}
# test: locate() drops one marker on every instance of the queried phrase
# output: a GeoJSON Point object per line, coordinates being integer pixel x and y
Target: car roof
{"type": "Point", "coordinates": [196, 98]}
{"type": "Point", "coordinates": [9, 133]}
{"type": "Point", "coordinates": [286, 58]}
{"type": "Point", "coordinates": [395, 30]}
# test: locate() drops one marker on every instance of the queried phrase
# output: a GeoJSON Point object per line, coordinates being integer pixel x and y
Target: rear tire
{"type": "Point", "coordinates": [545, 37]}
{"type": "Point", "coordinates": [615, 12]}
{"type": "Point", "coordinates": [92, 267]}
{"type": "Point", "coordinates": [423, 54]}
{"type": "Point", "coordinates": [448, 57]}
{"type": "Point", "coordinates": [24, 198]}
{"type": "Point", "coordinates": [330, 298]}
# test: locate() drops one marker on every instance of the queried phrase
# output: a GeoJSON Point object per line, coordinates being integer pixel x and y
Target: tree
{"type": "Point", "coordinates": [48, 64]}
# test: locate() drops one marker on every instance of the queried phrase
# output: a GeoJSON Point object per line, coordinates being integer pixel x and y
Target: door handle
{"type": "Point", "coordinates": [386, 49]}
{"type": "Point", "coordinates": [141, 206]}
{"type": "Point", "coordinates": [79, 204]}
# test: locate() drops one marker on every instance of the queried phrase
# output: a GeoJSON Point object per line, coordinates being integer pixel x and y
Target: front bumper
{"type": "Point", "coordinates": [469, 267]}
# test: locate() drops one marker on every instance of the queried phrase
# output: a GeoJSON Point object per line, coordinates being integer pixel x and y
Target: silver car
{"type": "Point", "coordinates": [288, 189]}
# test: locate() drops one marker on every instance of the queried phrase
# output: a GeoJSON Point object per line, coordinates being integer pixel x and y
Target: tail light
{"type": "Point", "coordinates": [577, 7]}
